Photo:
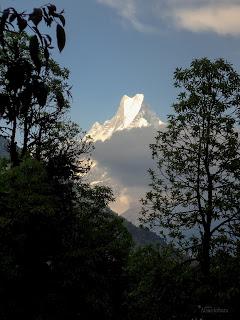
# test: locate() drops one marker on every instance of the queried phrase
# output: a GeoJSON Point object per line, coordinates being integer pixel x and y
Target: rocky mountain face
{"type": "Point", "coordinates": [122, 156]}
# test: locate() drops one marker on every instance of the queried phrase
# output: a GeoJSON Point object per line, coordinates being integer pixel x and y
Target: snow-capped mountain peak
{"type": "Point", "coordinates": [130, 108]}
{"type": "Point", "coordinates": [132, 113]}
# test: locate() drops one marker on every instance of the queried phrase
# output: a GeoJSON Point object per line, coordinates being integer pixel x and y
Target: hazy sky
{"type": "Point", "coordinates": [117, 47]}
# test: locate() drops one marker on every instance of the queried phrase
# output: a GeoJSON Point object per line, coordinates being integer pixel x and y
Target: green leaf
{"type": "Point", "coordinates": [12, 17]}
{"type": "Point", "coordinates": [61, 37]}
{"type": "Point", "coordinates": [36, 16]}
{"type": "Point", "coordinates": [39, 34]}
{"type": "Point", "coordinates": [41, 93]}
{"type": "Point", "coordinates": [51, 9]}
{"type": "Point", "coordinates": [46, 54]}
{"type": "Point", "coordinates": [4, 103]}
{"type": "Point", "coordinates": [22, 23]}
{"type": "Point", "coordinates": [60, 100]}
{"type": "Point", "coordinates": [61, 17]}
{"type": "Point", "coordinates": [34, 52]}
{"type": "Point", "coordinates": [3, 19]}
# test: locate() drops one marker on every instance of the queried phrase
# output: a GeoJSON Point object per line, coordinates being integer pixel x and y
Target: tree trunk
{"type": "Point", "coordinates": [38, 145]}
{"type": "Point", "coordinates": [25, 138]}
{"type": "Point", "coordinates": [13, 145]}
{"type": "Point", "coordinates": [205, 254]}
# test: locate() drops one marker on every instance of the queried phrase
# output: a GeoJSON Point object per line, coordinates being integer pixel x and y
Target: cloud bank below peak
{"type": "Point", "coordinates": [216, 16]}
{"type": "Point", "coordinates": [122, 163]}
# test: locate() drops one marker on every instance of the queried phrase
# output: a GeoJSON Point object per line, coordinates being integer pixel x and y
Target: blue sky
{"type": "Point", "coordinates": [117, 47]}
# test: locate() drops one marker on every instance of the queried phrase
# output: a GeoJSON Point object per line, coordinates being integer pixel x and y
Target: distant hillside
{"type": "Point", "coordinates": [142, 236]}
{"type": "Point", "coordinates": [132, 215]}
{"type": "Point", "coordinates": [3, 147]}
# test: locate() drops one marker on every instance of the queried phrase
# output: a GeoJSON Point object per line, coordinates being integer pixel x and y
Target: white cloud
{"type": "Point", "coordinates": [122, 202]}
{"type": "Point", "coordinates": [224, 20]}
{"type": "Point", "coordinates": [218, 16]}
{"type": "Point", "coordinates": [129, 11]}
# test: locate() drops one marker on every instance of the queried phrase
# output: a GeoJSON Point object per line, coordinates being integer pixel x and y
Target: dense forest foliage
{"type": "Point", "coordinates": [63, 253]}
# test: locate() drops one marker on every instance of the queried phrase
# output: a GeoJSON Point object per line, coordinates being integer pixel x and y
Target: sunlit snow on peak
{"type": "Point", "coordinates": [131, 113]}
{"type": "Point", "coordinates": [131, 107]}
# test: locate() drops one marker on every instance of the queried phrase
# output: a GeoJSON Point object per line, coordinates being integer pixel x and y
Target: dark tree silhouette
{"type": "Point", "coordinates": [24, 63]}
{"type": "Point", "coordinates": [195, 188]}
